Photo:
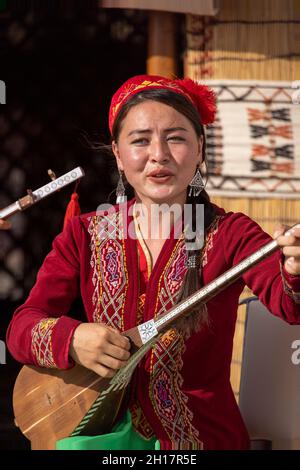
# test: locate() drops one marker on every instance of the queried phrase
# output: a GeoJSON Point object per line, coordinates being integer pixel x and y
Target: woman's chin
{"type": "Point", "coordinates": [162, 195]}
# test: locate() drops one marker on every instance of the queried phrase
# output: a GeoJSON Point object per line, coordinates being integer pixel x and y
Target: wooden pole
{"type": "Point", "coordinates": [161, 44]}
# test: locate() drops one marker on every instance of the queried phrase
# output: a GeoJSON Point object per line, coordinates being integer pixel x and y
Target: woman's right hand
{"type": "Point", "coordinates": [100, 348]}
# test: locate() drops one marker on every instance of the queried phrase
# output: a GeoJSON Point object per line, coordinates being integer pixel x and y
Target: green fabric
{"type": "Point", "coordinates": [122, 437]}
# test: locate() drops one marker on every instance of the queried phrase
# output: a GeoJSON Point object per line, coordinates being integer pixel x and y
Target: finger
{"type": "Point", "coordinates": [279, 230]}
{"type": "Point", "coordinates": [111, 362]}
{"type": "Point", "coordinates": [291, 251]}
{"type": "Point", "coordinates": [117, 352]}
{"type": "Point", "coordinates": [295, 231]}
{"type": "Point", "coordinates": [288, 240]}
{"type": "Point", "coordinates": [284, 229]}
{"type": "Point", "coordinates": [118, 340]}
{"type": "Point", "coordinates": [293, 259]}
{"type": "Point", "coordinates": [292, 265]}
{"type": "Point", "coordinates": [103, 371]}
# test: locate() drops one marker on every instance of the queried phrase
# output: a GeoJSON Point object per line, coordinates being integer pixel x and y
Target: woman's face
{"type": "Point", "coordinates": [158, 150]}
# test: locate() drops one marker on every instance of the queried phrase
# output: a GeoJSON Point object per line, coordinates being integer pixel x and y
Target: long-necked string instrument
{"type": "Point", "coordinates": [53, 404]}
{"type": "Point", "coordinates": [44, 191]}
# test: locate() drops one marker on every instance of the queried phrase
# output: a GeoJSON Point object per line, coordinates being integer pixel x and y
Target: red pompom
{"type": "Point", "coordinates": [203, 97]}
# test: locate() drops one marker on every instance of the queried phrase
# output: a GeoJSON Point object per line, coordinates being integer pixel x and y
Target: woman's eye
{"type": "Point", "coordinates": [141, 141]}
{"type": "Point", "coordinates": [176, 138]}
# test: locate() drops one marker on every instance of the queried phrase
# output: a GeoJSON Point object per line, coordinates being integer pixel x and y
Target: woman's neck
{"type": "Point", "coordinates": [156, 219]}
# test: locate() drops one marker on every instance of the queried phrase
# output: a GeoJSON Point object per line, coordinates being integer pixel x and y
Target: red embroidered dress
{"type": "Point", "coordinates": [182, 388]}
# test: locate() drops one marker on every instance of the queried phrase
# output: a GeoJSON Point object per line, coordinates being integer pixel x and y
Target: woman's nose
{"type": "Point", "coordinates": [159, 151]}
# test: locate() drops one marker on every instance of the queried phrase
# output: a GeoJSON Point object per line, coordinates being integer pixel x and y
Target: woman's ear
{"type": "Point", "coordinates": [200, 148]}
{"type": "Point", "coordinates": [116, 153]}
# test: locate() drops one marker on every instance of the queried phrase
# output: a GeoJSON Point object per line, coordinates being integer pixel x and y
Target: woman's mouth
{"type": "Point", "coordinates": [160, 178]}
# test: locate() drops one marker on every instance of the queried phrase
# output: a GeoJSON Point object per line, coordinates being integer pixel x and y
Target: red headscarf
{"type": "Point", "coordinates": [202, 97]}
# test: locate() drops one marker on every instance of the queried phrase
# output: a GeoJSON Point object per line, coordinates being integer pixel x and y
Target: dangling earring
{"type": "Point", "coordinates": [120, 191]}
{"type": "Point", "coordinates": [197, 184]}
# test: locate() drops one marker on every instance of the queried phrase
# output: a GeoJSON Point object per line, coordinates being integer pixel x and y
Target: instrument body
{"type": "Point", "coordinates": [51, 404]}
{"type": "Point", "coordinates": [47, 401]}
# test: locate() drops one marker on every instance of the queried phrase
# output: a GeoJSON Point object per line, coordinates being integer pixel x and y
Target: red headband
{"type": "Point", "coordinates": [202, 97]}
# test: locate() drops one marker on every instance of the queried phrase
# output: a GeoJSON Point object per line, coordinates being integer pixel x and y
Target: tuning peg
{"type": "Point", "coordinates": [51, 174]}
{"type": "Point", "coordinates": [31, 196]}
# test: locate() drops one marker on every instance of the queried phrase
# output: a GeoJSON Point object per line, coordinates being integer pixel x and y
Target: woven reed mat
{"type": "Point", "coordinates": [249, 39]}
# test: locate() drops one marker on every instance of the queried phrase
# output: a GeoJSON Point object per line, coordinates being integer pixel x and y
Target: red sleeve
{"type": "Point", "coordinates": [275, 288]}
{"type": "Point", "coordinates": [40, 332]}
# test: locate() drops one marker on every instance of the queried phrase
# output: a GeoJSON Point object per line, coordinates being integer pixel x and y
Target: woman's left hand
{"type": "Point", "coordinates": [290, 244]}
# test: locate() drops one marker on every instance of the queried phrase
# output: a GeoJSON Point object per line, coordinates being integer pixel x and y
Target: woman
{"type": "Point", "coordinates": [181, 393]}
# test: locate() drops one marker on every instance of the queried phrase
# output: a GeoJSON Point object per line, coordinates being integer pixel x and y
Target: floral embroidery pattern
{"type": "Point", "coordinates": [41, 343]}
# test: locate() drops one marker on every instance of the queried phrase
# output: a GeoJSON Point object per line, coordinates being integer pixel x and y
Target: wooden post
{"type": "Point", "coordinates": [161, 44]}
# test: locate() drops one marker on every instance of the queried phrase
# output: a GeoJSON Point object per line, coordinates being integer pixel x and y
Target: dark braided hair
{"type": "Point", "coordinates": [193, 277]}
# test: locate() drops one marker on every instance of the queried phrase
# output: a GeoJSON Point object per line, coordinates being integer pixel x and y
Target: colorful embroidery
{"type": "Point", "coordinates": [171, 279]}
{"type": "Point", "coordinates": [110, 277]}
{"type": "Point", "coordinates": [209, 239]}
{"type": "Point", "coordinates": [169, 337]}
{"type": "Point", "coordinates": [168, 400]}
{"type": "Point", "coordinates": [41, 342]}
{"type": "Point", "coordinates": [139, 422]}
{"type": "Point", "coordinates": [163, 393]}
{"type": "Point", "coordinates": [178, 269]}
{"type": "Point", "coordinates": [110, 257]}
{"type": "Point", "coordinates": [140, 310]}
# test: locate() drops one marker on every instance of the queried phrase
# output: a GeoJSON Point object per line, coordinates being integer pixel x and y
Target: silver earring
{"type": "Point", "coordinates": [197, 184]}
{"type": "Point", "coordinates": [120, 191]}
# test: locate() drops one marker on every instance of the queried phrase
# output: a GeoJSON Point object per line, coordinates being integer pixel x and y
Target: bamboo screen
{"type": "Point", "coordinates": [249, 39]}
{"type": "Point", "coordinates": [253, 40]}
